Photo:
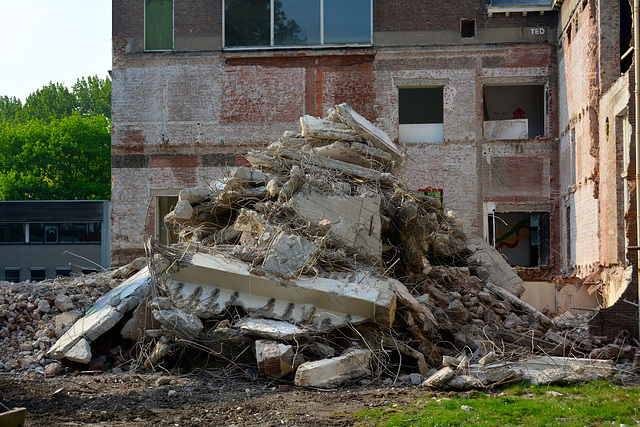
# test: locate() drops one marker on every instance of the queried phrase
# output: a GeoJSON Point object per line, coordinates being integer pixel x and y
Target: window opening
{"type": "Point", "coordinates": [38, 273]}
{"type": "Point", "coordinates": [164, 205]}
{"type": "Point", "coordinates": [158, 24]}
{"type": "Point", "coordinates": [36, 232]}
{"type": "Point", "coordinates": [421, 114]}
{"type": "Point", "coordinates": [51, 233]}
{"type": "Point", "coordinates": [63, 272]}
{"type": "Point", "coordinates": [260, 23]}
{"type": "Point", "coordinates": [12, 274]}
{"type": "Point", "coordinates": [467, 28]}
{"type": "Point", "coordinates": [568, 236]}
{"type": "Point", "coordinates": [513, 112]}
{"type": "Point", "coordinates": [12, 233]}
{"type": "Point", "coordinates": [522, 237]}
{"type": "Point", "coordinates": [626, 26]}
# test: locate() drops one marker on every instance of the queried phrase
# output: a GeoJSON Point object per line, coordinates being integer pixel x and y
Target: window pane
{"type": "Point", "coordinates": [12, 274]}
{"type": "Point", "coordinates": [80, 233]}
{"type": "Point", "coordinates": [297, 22]}
{"type": "Point", "coordinates": [38, 274]}
{"type": "Point", "coordinates": [36, 232]}
{"type": "Point", "coordinates": [5, 233]}
{"type": "Point", "coordinates": [51, 233]}
{"type": "Point", "coordinates": [421, 105]}
{"type": "Point", "coordinates": [347, 21]}
{"type": "Point", "coordinates": [65, 233]}
{"type": "Point", "coordinates": [158, 24]}
{"type": "Point", "coordinates": [95, 231]}
{"type": "Point", "coordinates": [12, 233]}
{"type": "Point", "coordinates": [247, 23]}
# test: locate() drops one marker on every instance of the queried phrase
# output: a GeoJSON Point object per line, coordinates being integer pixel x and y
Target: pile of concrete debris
{"type": "Point", "coordinates": [318, 265]}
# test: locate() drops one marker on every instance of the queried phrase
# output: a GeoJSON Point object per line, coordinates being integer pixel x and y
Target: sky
{"type": "Point", "coordinates": [47, 41]}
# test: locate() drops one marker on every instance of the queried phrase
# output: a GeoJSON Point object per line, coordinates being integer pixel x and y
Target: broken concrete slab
{"type": "Point", "coordinates": [368, 130]}
{"type": "Point", "coordinates": [330, 373]}
{"type": "Point", "coordinates": [440, 377]}
{"type": "Point", "coordinates": [269, 328]}
{"type": "Point", "coordinates": [288, 255]}
{"type": "Point", "coordinates": [313, 127]}
{"type": "Point", "coordinates": [275, 359]}
{"type": "Point", "coordinates": [214, 282]}
{"type": "Point", "coordinates": [491, 266]}
{"type": "Point", "coordinates": [354, 220]}
{"type": "Point", "coordinates": [512, 299]}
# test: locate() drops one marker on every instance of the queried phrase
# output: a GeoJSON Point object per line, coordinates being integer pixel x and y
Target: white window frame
{"type": "Point", "coordinates": [272, 35]}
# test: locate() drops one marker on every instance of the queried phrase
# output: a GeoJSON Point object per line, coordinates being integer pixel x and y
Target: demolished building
{"type": "Point", "coordinates": [317, 264]}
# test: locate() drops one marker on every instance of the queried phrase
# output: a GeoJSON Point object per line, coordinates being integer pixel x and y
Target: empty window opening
{"type": "Point", "coordinates": [568, 34]}
{"type": "Point", "coordinates": [421, 114]}
{"type": "Point", "coordinates": [38, 273]}
{"type": "Point", "coordinates": [63, 272]}
{"type": "Point", "coordinates": [626, 25]}
{"type": "Point", "coordinates": [164, 205]}
{"type": "Point", "coordinates": [467, 28]}
{"type": "Point", "coordinates": [12, 274]}
{"type": "Point", "coordinates": [568, 236]}
{"type": "Point", "coordinates": [513, 112]}
{"type": "Point", "coordinates": [158, 24]}
{"type": "Point", "coordinates": [522, 237]}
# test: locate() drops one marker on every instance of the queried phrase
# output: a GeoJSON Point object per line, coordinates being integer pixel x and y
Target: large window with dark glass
{"type": "Point", "coordinates": [260, 23]}
{"type": "Point", "coordinates": [64, 233]}
{"type": "Point", "coordinates": [158, 24]}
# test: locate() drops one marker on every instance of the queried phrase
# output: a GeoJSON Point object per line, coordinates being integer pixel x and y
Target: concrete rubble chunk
{"type": "Point", "coordinates": [177, 323]}
{"type": "Point", "coordinates": [269, 328]}
{"type": "Point", "coordinates": [195, 195]}
{"type": "Point", "coordinates": [80, 352]}
{"type": "Point", "coordinates": [288, 255]}
{"type": "Point", "coordinates": [276, 360]}
{"type": "Point", "coordinates": [368, 130]}
{"type": "Point", "coordinates": [182, 211]}
{"type": "Point", "coordinates": [512, 299]}
{"type": "Point", "coordinates": [354, 220]}
{"type": "Point", "coordinates": [439, 378]}
{"type": "Point", "coordinates": [331, 373]}
{"type": "Point", "coordinates": [313, 127]}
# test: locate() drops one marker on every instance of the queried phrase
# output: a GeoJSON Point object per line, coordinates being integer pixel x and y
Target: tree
{"type": "Point", "coordinates": [62, 160]}
{"type": "Point", "coordinates": [93, 96]}
{"type": "Point", "coordinates": [58, 145]}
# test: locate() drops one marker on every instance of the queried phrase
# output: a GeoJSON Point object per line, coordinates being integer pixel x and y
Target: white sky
{"type": "Point", "coordinates": [52, 41]}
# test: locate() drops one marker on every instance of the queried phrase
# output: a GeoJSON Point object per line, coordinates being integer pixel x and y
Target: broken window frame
{"type": "Point", "coordinates": [410, 128]}
{"type": "Point", "coordinates": [542, 256]}
{"type": "Point", "coordinates": [154, 39]}
{"type": "Point", "coordinates": [541, 105]}
{"type": "Point", "coordinates": [326, 39]}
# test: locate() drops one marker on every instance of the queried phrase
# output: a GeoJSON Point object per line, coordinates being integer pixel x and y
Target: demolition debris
{"type": "Point", "coordinates": [316, 266]}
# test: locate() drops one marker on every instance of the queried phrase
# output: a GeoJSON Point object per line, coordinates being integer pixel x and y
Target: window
{"type": "Point", "coordinates": [513, 112]}
{"type": "Point", "coordinates": [164, 205]}
{"type": "Point", "coordinates": [421, 114]}
{"type": "Point", "coordinates": [51, 233]}
{"type": "Point", "coordinates": [38, 273]}
{"type": "Point", "coordinates": [158, 24]}
{"type": "Point", "coordinates": [12, 233]}
{"type": "Point", "coordinates": [522, 237]}
{"type": "Point", "coordinates": [12, 274]}
{"type": "Point", "coordinates": [467, 28]}
{"type": "Point", "coordinates": [63, 272]}
{"type": "Point", "coordinates": [273, 23]}
{"type": "Point", "coordinates": [36, 232]}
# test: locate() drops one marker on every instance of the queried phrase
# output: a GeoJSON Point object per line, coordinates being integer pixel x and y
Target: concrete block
{"type": "Point", "coordinates": [439, 378]}
{"type": "Point", "coordinates": [354, 220]}
{"type": "Point", "coordinates": [269, 328]}
{"type": "Point", "coordinates": [329, 373]}
{"type": "Point", "coordinates": [313, 127]}
{"type": "Point", "coordinates": [288, 255]}
{"type": "Point", "coordinates": [275, 359]}
{"type": "Point", "coordinates": [80, 352]}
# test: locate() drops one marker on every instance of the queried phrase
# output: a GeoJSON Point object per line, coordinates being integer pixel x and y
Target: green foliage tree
{"type": "Point", "coordinates": [58, 145]}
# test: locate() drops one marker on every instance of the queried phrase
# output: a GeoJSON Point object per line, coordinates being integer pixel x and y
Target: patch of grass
{"type": "Point", "coordinates": [592, 404]}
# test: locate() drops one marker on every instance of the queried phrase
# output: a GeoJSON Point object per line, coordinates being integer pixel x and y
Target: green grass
{"type": "Point", "coordinates": [593, 404]}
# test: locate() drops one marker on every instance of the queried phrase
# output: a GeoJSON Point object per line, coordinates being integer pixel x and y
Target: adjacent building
{"type": "Point", "coordinates": [46, 239]}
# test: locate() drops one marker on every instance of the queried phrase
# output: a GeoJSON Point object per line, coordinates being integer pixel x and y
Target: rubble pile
{"type": "Point", "coordinates": [318, 265]}
{"type": "Point", "coordinates": [33, 315]}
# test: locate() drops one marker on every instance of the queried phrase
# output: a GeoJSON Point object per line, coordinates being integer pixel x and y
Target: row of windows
{"type": "Point", "coordinates": [277, 23]}
{"type": "Point", "coordinates": [261, 23]}
{"type": "Point", "coordinates": [13, 274]}
{"type": "Point", "coordinates": [38, 232]}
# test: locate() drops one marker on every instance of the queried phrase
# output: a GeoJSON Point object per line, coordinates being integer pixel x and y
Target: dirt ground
{"type": "Point", "coordinates": [189, 400]}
